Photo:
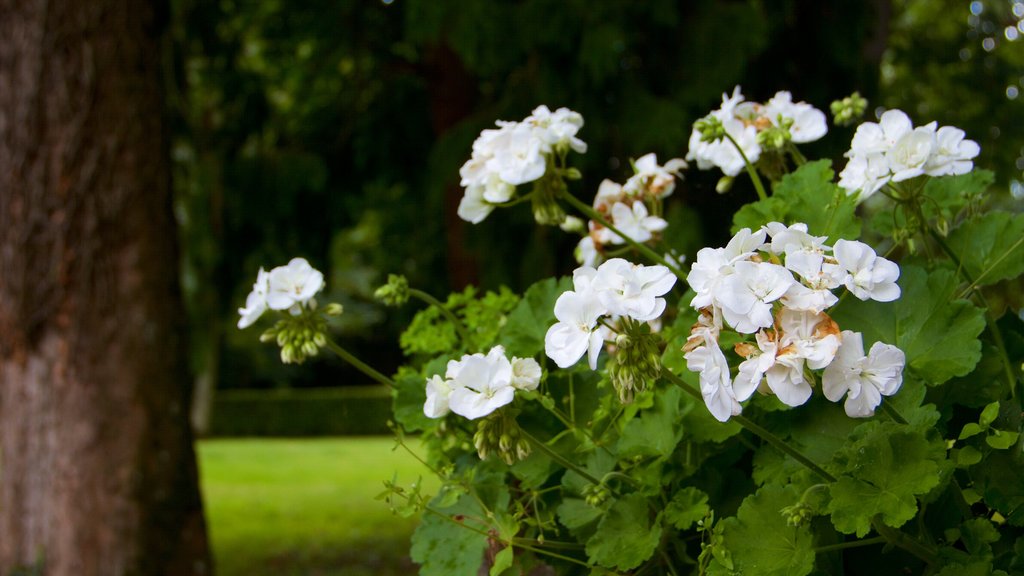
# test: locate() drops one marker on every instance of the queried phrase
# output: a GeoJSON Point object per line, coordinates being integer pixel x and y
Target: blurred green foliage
{"type": "Point", "coordinates": [334, 130]}
{"type": "Point", "coordinates": [349, 411]}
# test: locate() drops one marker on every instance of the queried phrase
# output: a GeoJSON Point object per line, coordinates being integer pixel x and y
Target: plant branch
{"type": "Point", "coordinates": [559, 458]}
{"type": "Point", "coordinates": [359, 364]}
{"type": "Point", "coordinates": [750, 169]}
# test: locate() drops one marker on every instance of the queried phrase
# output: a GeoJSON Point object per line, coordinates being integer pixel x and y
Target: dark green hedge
{"type": "Point", "coordinates": [349, 411]}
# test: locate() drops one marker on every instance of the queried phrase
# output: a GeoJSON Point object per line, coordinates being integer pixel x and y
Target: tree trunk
{"type": "Point", "coordinates": [97, 470]}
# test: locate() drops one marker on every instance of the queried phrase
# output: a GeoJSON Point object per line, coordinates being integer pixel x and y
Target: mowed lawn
{"type": "Point", "coordinates": [307, 507]}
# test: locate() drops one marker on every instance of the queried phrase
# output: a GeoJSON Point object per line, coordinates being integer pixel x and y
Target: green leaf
{"type": "Point", "coordinates": [410, 394]}
{"type": "Point", "coordinates": [688, 506]}
{"type": "Point", "coordinates": [806, 195]}
{"type": "Point", "coordinates": [938, 334]}
{"type": "Point", "coordinates": [442, 547]}
{"type": "Point", "coordinates": [625, 537]}
{"type": "Point", "coordinates": [968, 456]}
{"type": "Point", "coordinates": [523, 334]}
{"type": "Point", "coordinates": [657, 431]}
{"type": "Point", "coordinates": [502, 561]}
{"type": "Point", "coordinates": [970, 429]}
{"type": "Point", "coordinates": [1001, 439]}
{"type": "Point", "coordinates": [760, 541]}
{"type": "Point", "coordinates": [575, 513]}
{"type": "Point", "coordinates": [883, 468]}
{"type": "Point", "coordinates": [950, 194]}
{"type": "Point", "coordinates": [990, 246]}
{"type": "Point", "coordinates": [989, 414]}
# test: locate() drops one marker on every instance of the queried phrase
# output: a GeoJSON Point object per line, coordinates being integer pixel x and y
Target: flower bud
{"type": "Point", "coordinates": [572, 174]}
{"type": "Point", "coordinates": [320, 340]}
{"type": "Point", "coordinates": [395, 292]}
{"type": "Point", "coordinates": [847, 111]}
{"type": "Point", "coordinates": [334, 309]}
{"type": "Point", "coordinates": [724, 184]}
{"type": "Point", "coordinates": [710, 128]}
{"type": "Point", "coordinates": [572, 224]}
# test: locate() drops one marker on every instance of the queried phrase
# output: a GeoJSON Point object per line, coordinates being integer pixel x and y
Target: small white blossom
{"type": "Point", "coordinates": [634, 222]}
{"type": "Point", "coordinates": [715, 382]}
{"type": "Point", "coordinates": [633, 290]}
{"type": "Point", "coordinates": [748, 293]}
{"type": "Point", "coordinates": [653, 179]}
{"type": "Point", "coordinates": [293, 285]}
{"type": "Point", "coordinates": [953, 154]}
{"type": "Point", "coordinates": [809, 123]}
{"type": "Point", "coordinates": [577, 332]}
{"type": "Point", "coordinates": [256, 301]}
{"type": "Point", "coordinates": [526, 373]}
{"type": "Point", "coordinates": [864, 379]}
{"type": "Point", "coordinates": [908, 156]}
{"type": "Point", "coordinates": [871, 276]}
{"type": "Point", "coordinates": [713, 265]}
{"type": "Point", "coordinates": [438, 392]}
{"type": "Point", "coordinates": [480, 384]}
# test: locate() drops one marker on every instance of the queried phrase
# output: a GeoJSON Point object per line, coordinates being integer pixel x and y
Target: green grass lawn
{"type": "Point", "coordinates": [306, 506]}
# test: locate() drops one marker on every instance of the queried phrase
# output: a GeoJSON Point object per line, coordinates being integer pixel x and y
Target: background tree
{"type": "Point", "coordinates": [98, 474]}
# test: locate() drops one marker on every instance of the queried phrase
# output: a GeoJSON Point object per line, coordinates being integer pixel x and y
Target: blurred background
{"type": "Point", "coordinates": [334, 130]}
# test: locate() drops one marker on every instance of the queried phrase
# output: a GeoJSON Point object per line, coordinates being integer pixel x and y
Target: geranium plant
{"type": "Point", "coordinates": [703, 434]}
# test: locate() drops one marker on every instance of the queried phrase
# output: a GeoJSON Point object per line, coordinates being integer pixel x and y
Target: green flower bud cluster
{"type": "Point", "coordinates": [395, 292]}
{"type": "Point", "coordinates": [499, 434]}
{"type": "Point", "coordinates": [799, 514]}
{"type": "Point", "coordinates": [301, 336]}
{"type": "Point", "coordinates": [596, 495]}
{"type": "Point", "coordinates": [637, 359]}
{"type": "Point", "coordinates": [710, 128]}
{"type": "Point", "coordinates": [546, 209]}
{"type": "Point", "coordinates": [847, 111]}
{"type": "Point", "coordinates": [776, 136]}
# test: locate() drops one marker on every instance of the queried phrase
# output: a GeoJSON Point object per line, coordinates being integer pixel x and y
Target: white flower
{"type": "Point", "coordinates": [814, 336]}
{"type": "Point", "coordinates": [809, 123]}
{"type": "Point", "coordinates": [572, 224]}
{"type": "Point", "coordinates": [871, 276]}
{"type": "Point", "coordinates": [713, 265]}
{"type": "Point", "coordinates": [715, 382]}
{"type": "Point", "coordinates": [634, 222]}
{"type": "Point", "coordinates": [473, 207]}
{"type": "Point", "coordinates": [558, 128]}
{"type": "Point", "coordinates": [908, 155]}
{"type": "Point", "coordinates": [650, 178]}
{"type": "Point", "coordinates": [586, 252]}
{"type": "Point", "coordinates": [779, 364]}
{"type": "Point", "coordinates": [294, 284]}
{"type": "Point", "coordinates": [576, 331]}
{"type": "Point", "coordinates": [518, 155]}
{"type": "Point", "coordinates": [790, 239]}
{"type": "Point", "coordinates": [608, 193]}
{"type": "Point", "coordinates": [256, 301]}
{"type": "Point", "coordinates": [864, 380]}
{"type": "Point", "coordinates": [748, 293]}
{"type": "Point", "coordinates": [526, 373]}
{"type": "Point", "coordinates": [438, 392]}
{"type": "Point", "coordinates": [723, 153]}
{"type": "Point", "coordinates": [952, 154]}
{"type": "Point", "coordinates": [894, 125]}
{"type": "Point", "coordinates": [867, 173]}
{"type": "Point", "coordinates": [480, 384]}
{"type": "Point", "coordinates": [633, 290]}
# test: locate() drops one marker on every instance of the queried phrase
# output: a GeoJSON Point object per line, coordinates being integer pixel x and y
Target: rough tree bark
{"type": "Point", "coordinates": [97, 470]}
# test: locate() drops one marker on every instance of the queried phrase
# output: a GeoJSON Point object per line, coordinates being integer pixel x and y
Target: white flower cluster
{"type": "Point", "coordinates": [743, 286]}
{"type": "Point", "coordinates": [743, 121]}
{"type": "Point", "coordinates": [893, 150]}
{"type": "Point", "coordinates": [628, 207]}
{"type": "Point", "coordinates": [515, 153]}
{"type": "Point", "coordinates": [291, 287]}
{"type": "Point", "coordinates": [478, 384]}
{"type": "Point", "coordinates": [618, 288]}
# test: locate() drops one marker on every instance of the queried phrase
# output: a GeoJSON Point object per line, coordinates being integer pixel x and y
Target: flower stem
{"type": "Point", "coordinates": [901, 540]}
{"type": "Point", "coordinates": [558, 458]}
{"type": "Point", "coordinates": [892, 413]}
{"type": "Point", "coordinates": [750, 169]}
{"type": "Point", "coordinates": [854, 544]}
{"type": "Point", "coordinates": [764, 433]}
{"type": "Point", "coordinates": [460, 328]}
{"type": "Point", "coordinates": [597, 217]}
{"type": "Point", "coordinates": [359, 364]}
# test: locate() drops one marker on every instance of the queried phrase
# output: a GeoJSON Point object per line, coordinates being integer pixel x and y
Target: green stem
{"type": "Point", "coordinates": [643, 249]}
{"type": "Point", "coordinates": [764, 433]}
{"type": "Point", "coordinates": [892, 413]}
{"type": "Point", "coordinates": [854, 544]}
{"type": "Point", "coordinates": [558, 458]}
{"type": "Point", "coordinates": [901, 540]}
{"type": "Point", "coordinates": [359, 364]}
{"type": "Point", "coordinates": [431, 301]}
{"type": "Point", "coordinates": [750, 169]}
